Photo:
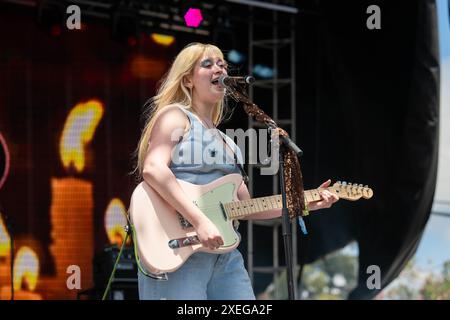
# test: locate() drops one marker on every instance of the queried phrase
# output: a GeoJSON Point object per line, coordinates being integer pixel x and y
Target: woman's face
{"type": "Point", "coordinates": [207, 70]}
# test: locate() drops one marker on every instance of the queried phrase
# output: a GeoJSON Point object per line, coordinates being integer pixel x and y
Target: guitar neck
{"type": "Point", "coordinates": [241, 209]}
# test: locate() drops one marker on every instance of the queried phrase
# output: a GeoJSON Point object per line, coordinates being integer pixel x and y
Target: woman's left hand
{"type": "Point", "coordinates": [327, 200]}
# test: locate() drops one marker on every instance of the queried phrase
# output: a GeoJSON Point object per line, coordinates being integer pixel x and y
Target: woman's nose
{"type": "Point", "coordinates": [219, 69]}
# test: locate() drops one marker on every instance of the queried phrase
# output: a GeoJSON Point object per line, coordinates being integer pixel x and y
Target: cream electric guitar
{"type": "Point", "coordinates": [165, 240]}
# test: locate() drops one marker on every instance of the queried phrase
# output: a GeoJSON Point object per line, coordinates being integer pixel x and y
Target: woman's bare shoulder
{"type": "Point", "coordinates": [170, 118]}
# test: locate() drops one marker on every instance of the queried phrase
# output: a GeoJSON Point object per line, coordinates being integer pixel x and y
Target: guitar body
{"type": "Point", "coordinates": [157, 224]}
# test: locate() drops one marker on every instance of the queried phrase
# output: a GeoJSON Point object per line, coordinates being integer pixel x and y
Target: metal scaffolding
{"type": "Point", "coordinates": [276, 45]}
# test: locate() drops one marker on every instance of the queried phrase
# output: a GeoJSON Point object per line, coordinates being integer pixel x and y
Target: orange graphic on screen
{"type": "Point", "coordinates": [78, 131]}
{"type": "Point", "coordinates": [4, 239]}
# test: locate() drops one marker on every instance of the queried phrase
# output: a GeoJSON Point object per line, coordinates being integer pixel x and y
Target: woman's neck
{"type": "Point", "coordinates": [204, 111]}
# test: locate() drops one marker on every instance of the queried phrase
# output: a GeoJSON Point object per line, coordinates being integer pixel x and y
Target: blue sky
{"type": "Point", "coordinates": [434, 248]}
{"type": "Point", "coordinates": [443, 27]}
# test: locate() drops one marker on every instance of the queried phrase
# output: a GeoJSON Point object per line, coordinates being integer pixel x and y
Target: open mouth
{"type": "Point", "coordinates": [217, 84]}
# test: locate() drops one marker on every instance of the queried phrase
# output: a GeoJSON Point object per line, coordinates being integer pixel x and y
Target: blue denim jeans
{"type": "Point", "coordinates": [203, 276]}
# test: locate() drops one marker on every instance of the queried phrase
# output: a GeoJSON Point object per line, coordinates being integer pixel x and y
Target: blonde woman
{"type": "Point", "coordinates": [188, 103]}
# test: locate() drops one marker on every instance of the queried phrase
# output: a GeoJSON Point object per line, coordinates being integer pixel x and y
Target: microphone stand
{"type": "Point", "coordinates": [286, 142]}
{"type": "Point", "coordinates": [285, 219]}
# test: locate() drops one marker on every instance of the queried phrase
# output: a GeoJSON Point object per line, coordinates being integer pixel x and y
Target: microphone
{"type": "Point", "coordinates": [226, 81]}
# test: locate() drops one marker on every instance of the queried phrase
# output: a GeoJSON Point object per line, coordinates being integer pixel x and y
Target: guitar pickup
{"type": "Point", "coordinates": [183, 242]}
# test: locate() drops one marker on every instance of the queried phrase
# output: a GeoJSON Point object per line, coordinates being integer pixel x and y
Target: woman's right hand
{"type": "Point", "coordinates": [208, 234]}
{"type": "Point", "coordinates": [157, 174]}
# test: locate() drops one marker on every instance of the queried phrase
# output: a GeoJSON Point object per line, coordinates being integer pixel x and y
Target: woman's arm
{"type": "Point", "coordinates": [169, 127]}
{"type": "Point", "coordinates": [243, 194]}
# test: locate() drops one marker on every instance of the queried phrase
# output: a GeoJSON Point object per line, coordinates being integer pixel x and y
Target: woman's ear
{"type": "Point", "coordinates": [187, 81]}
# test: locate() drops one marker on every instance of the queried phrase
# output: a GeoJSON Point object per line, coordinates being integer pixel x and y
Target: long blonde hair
{"type": "Point", "coordinates": [172, 90]}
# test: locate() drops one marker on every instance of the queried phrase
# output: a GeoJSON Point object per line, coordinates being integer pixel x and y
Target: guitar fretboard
{"type": "Point", "coordinates": [239, 209]}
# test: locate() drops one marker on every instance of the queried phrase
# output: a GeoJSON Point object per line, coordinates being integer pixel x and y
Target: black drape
{"type": "Point", "coordinates": [368, 112]}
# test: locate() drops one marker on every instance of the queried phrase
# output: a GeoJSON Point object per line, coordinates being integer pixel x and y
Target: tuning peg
{"type": "Point", "coordinates": [366, 186]}
{"type": "Point", "coordinates": [344, 183]}
{"type": "Point", "coordinates": [360, 185]}
{"type": "Point", "coordinates": [338, 182]}
{"type": "Point", "coordinates": [355, 185]}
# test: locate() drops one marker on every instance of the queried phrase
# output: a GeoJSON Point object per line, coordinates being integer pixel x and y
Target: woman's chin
{"type": "Point", "coordinates": [217, 95]}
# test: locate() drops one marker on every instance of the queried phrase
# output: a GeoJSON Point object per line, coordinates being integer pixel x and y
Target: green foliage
{"type": "Point", "coordinates": [408, 286]}
{"type": "Point", "coordinates": [318, 279]}
{"type": "Point", "coordinates": [437, 289]}
{"type": "Point", "coordinates": [330, 278]}
{"type": "Point", "coordinates": [334, 276]}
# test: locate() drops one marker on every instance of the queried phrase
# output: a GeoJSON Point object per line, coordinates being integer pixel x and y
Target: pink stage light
{"type": "Point", "coordinates": [193, 17]}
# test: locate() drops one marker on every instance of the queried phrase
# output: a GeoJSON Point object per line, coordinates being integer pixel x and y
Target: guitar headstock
{"type": "Point", "coordinates": [351, 191]}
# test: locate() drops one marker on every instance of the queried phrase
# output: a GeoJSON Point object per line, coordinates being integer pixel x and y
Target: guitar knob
{"type": "Point", "coordinates": [366, 186]}
{"type": "Point", "coordinates": [360, 185]}
{"type": "Point", "coordinates": [173, 244]}
{"type": "Point", "coordinates": [344, 183]}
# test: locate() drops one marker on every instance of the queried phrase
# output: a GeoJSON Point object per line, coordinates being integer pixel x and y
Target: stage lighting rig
{"type": "Point", "coordinates": [51, 15]}
{"type": "Point", "coordinates": [125, 21]}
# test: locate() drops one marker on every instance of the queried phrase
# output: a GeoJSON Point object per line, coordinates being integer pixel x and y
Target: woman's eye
{"type": "Point", "coordinates": [206, 63]}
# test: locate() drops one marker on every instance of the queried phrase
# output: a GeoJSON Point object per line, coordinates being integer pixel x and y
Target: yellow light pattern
{"type": "Point", "coordinates": [4, 239]}
{"type": "Point", "coordinates": [162, 39]}
{"type": "Point", "coordinates": [115, 220]}
{"type": "Point", "coordinates": [78, 131]}
{"type": "Point", "coordinates": [26, 268]}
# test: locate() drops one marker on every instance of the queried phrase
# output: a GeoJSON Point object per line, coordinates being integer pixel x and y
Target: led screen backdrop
{"type": "Point", "coordinates": [70, 105]}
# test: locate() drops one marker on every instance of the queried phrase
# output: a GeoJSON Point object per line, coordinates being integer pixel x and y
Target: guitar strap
{"type": "Point", "coordinates": [241, 168]}
{"type": "Point", "coordinates": [237, 163]}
